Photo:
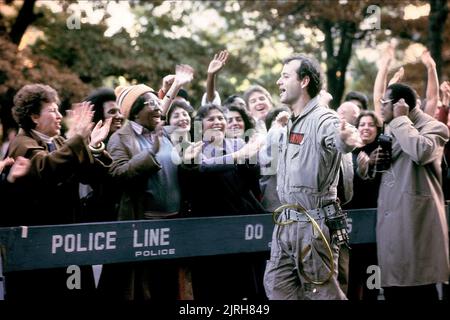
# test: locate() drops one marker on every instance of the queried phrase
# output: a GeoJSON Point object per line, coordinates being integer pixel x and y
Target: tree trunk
{"type": "Point", "coordinates": [437, 18]}
{"type": "Point", "coordinates": [25, 17]}
{"type": "Point", "coordinates": [337, 64]}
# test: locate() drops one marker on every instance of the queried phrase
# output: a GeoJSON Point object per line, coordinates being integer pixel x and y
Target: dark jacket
{"type": "Point", "coordinates": [365, 191]}
{"type": "Point", "coordinates": [48, 195]}
{"type": "Point", "coordinates": [220, 189]}
{"type": "Point", "coordinates": [132, 169]}
{"type": "Point", "coordinates": [51, 185]}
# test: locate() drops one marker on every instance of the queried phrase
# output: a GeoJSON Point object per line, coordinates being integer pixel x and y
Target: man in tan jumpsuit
{"type": "Point", "coordinates": [303, 265]}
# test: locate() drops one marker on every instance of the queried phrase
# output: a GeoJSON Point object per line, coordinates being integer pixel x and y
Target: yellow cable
{"type": "Point", "coordinates": [316, 226]}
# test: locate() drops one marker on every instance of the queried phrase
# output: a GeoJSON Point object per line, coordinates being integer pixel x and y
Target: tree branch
{"type": "Point", "coordinates": [25, 17]}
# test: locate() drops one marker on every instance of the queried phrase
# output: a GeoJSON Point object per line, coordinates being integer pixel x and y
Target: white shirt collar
{"type": "Point", "coordinates": [42, 136]}
{"type": "Point", "coordinates": [137, 128]}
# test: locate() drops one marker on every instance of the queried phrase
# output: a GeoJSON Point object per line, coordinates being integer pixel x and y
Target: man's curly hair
{"type": "Point", "coordinates": [29, 100]}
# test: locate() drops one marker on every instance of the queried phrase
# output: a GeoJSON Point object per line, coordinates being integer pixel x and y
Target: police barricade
{"type": "Point", "coordinates": [38, 247]}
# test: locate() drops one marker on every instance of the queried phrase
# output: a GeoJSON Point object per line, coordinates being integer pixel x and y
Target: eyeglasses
{"type": "Point", "coordinates": [153, 104]}
{"type": "Point", "coordinates": [383, 102]}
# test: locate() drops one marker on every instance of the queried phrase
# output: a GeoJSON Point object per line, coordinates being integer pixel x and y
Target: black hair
{"type": "Point", "coordinates": [231, 99]}
{"type": "Point", "coordinates": [205, 109]}
{"type": "Point", "coordinates": [179, 104]}
{"type": "Point", "coordinates": [309, 67]}
{"type": "Point", "coordinates": [271, 116]}
{"type": "Point", "coordinates": [373, 115]}
{"type": "Point", "coordinates": [98, 98]}
{"type": "Point", "coordinates": [183, 94]}
{"type": "Point", "coordinates": [361, 97]}
{"type": "Point", "coordinates": [249, 123]}
{"type": "Point", "coordinates": [202, 113]}
{"type": "Point", "coordinates": [402, 91]}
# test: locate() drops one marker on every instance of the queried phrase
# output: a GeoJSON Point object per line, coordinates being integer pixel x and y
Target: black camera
{"type": "Point", "coordinates": [385, 143]}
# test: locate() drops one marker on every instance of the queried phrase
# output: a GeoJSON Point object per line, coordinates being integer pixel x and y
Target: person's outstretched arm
{"type": "Point", "coordinates": [183, 75]}
{"type": "Point", "coordinates": [381, 79]}
{"type": "Point", "coordinates": [432, 95]}
{"type": "Point", "coordinates": [216, 64]}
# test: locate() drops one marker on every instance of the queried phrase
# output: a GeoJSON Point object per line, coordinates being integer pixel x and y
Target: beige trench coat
{"type": "Point", "coordinates": [412, 231]}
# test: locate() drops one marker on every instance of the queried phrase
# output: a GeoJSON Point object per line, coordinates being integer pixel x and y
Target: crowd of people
{"type": "Point", "coordinates": [132, 153]}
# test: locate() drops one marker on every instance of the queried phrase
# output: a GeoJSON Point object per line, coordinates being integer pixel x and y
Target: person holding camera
{"type": "Point", "coordinates": [412, 231]}
{"type": "Point", "coordinates": [368, 162]}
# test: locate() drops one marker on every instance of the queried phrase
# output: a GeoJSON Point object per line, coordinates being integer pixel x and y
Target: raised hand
{"type": "Point", "coordinates": [19, 169]}
{"type": "Point", "coordinates": [5, 163]}
{"type": "Point", "coordinates": [156, 137]}
{"type": "Point", "coordinates": [400, 108]}
{"type": "Point", "coordinates": [350, 135]}
{"type": "Point", "coordinates": [397, 77]}
{"type": "Point", "coordinates": [282, 118]}
{"type": "Point", "coordinates": [388, 55]}
{"type": "Point", "coordinates": [80, 120]}
{"type": "Point", "coordinates": [445, 88]}
{"type": "Point", "coordinates": [167, 82]}
{"type": "Point", "coordinates": [218, 62]}
{"type": "Point", "coordinates": [100, 132]}
{"type": "Point", "coordinates": [427, 60]}
{"type": "Point", "coordinates": [183, 74]}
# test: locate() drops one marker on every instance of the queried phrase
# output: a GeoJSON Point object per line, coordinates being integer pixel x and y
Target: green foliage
{"type": "Point", "coordinates": [85, 51]}
{"type": "Point", "coordinates": [18, 68]}
{"type": "Point", "coordinates": [361, 77]}
{"type": "Point", "coordinates": [146, 58]}
{"type": "Point", "coordinates": [258, 34]}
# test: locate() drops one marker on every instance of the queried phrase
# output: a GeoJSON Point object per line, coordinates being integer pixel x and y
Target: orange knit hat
{"type": "Point", "coordinates": [126, 96]}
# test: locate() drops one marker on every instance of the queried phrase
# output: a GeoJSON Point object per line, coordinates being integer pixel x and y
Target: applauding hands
{"type": "Point", "coordinates": [79, 121]}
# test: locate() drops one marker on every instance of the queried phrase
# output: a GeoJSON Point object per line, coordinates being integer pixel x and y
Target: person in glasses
{"type": "Point", "coordinates": [412, 232]}
{"type": "Point", "coordinates": [140, 167]}
{"type": "Point", "coordinates": [146, 166]}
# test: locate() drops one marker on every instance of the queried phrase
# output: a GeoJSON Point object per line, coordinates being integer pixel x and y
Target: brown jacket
{"type": "Point", "coordinates": [48, 194]}
{"type": "Point", "coordinates": [412, 232]}
{"type": "Point", "coordinates": [131, 168]}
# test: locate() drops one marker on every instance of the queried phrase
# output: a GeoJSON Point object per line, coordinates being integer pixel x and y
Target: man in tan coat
{"type": "Point", "coordinates": [412, 232]}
